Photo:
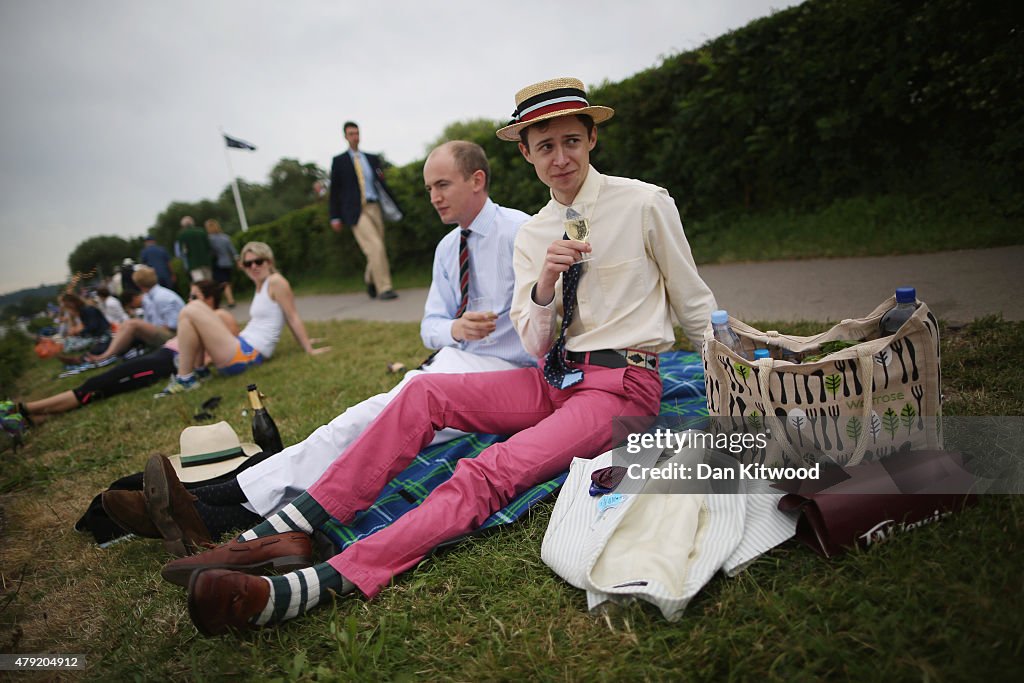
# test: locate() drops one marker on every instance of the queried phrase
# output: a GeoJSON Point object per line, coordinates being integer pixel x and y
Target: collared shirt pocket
{"type": "Point", "coordinates": [622, 285]}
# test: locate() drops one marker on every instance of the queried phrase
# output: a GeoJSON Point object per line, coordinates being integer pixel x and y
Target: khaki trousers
{"type": "Point", "coordinates": [369, 234]}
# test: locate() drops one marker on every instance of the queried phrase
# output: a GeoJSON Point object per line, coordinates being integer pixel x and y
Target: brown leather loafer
{"type": "Point", "coordinates": [128, 510]}
{"type": "Point", "coordinates": [170, 507]}
{"type": "Point", "coordinates": [219, 600]}
{"type": "Point", "coordinates": [282, 552]}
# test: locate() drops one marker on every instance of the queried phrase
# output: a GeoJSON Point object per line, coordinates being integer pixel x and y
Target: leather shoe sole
{"type": "Point", "coordinates": [157, 488]}
{"type": "Point", "coordinates": [220, 600]}
{"type": "Point", "coordinates": [128, 510]}
{"type": "Point", "coordinates": [285, 552]}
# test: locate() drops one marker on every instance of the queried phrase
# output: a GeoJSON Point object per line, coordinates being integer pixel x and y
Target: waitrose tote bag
{"type": "Point", "coordinates": [869, 400]}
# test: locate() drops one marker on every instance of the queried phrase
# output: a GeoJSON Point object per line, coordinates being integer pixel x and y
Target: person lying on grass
{"type": "Point", "coordinates": [457, 178]}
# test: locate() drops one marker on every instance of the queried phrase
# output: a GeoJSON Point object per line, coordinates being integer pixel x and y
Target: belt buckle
{"type": "Point", "coordinates": [639, 359]}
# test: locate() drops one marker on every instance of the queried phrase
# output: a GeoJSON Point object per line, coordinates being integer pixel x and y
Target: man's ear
{"type": "Point", "coordinates": [593, 138]}
{"type": "Point", "coordinates": [479, 180]}
{"type": "Point", "coordinates": [525, 151]}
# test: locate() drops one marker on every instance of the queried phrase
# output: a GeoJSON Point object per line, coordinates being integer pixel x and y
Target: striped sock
{"type": "Point", "coordinates": [296, 593]}
{"type": "Point", "coordinates": [302, 514]}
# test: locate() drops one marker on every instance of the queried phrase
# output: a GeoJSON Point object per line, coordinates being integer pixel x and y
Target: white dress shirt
{"type": "Point", "coordinates": [641, 270]}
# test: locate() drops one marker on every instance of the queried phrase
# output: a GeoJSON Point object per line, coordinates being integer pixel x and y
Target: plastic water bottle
{"type": "Point", "coordinates": [762, 353]}
{"type": "Point", "coordinates": [893, 319]}
{"type": "Point", "coordinates": [724, 333]}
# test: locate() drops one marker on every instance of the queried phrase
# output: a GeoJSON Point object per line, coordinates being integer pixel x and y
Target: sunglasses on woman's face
{"type": "Point", "coordinates": [193, 297]}
{"type": "Point", "coordinates": [254, 262]}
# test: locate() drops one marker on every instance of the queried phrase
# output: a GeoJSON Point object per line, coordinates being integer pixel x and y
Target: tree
{"type": "Point", "coordinates": [102, 253]}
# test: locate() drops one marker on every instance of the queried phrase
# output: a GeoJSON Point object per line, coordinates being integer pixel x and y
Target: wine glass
{"type": "Point", "coordinates": [483, 304]}
{"type": "Point", "coordinates": [578, 229]}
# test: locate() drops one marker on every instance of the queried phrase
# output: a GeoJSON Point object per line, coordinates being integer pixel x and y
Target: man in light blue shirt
{"type": "Point", "coordinates": [160, 307]}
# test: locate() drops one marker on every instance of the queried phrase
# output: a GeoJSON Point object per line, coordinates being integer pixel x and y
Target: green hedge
{"type": "Point", "coordinates": [817, 104]}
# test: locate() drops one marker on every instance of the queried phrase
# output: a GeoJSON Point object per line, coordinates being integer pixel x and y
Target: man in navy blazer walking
{"type": "Point", "coordinates": [357, 192]}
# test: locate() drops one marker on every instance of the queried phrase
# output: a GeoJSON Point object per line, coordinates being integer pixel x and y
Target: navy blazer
{"type": "Point", "coordinates": [345, 202]}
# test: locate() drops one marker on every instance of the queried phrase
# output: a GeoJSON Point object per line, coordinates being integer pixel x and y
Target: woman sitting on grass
{"type": "Point", "coordinates": [272, 306]}
{"type": "Point", "coordinates": [133, 374]}
{"type": "Point", "coordinates": [87, 327]}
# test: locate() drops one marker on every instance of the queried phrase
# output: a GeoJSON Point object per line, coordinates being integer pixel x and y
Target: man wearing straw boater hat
{"type": "Point", "coordinates": [597, 309]}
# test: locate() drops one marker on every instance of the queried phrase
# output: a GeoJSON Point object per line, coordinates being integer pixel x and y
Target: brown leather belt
{"type": "Point", "coordinates": [615, 358]}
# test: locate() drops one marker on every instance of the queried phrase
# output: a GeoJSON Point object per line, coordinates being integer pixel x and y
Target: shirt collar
{"type": "Point", "coordinates": [587, 196]}
{"type": "Point", "coordinates": [485, 219]}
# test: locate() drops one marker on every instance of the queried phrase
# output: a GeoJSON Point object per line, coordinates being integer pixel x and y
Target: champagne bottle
{"type": "Point", "coordinates": [264, 431]}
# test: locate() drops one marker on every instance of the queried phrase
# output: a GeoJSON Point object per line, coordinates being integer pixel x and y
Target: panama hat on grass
{"type": "Point", "coordinates": [210, 451]}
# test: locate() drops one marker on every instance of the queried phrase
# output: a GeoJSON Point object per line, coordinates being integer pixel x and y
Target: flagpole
{"type": "Point", "coordinates": [234, 184]}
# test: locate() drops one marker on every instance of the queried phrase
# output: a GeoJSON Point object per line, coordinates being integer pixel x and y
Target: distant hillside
{"type": "Point", "coordinates": [45, 291]}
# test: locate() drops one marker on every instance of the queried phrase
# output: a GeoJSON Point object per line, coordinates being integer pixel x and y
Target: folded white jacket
{"type": "Point", "coordinates": [656, 545]}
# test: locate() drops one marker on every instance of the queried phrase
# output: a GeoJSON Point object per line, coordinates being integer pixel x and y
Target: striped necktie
{"type": "Point", "coordinates": [463, 272]}
{"type": "Point", "coordinates": [557, 372]}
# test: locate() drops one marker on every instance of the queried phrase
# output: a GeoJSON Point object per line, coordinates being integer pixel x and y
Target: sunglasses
{"type": "Point", "coordinates": [254, 262]}
{"type": "Point", "coordinates": [193, 297]}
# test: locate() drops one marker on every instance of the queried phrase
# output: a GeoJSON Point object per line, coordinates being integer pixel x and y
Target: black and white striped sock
{"type": "Point", "coordinates": [296, 593]}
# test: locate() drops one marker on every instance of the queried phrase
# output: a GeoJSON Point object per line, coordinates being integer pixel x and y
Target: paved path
{"type": "Point", "coordinates": [958, 286]}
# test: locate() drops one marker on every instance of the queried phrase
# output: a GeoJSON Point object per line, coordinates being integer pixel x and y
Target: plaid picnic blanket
{"type": "Point", "coordinates": [682, 376]}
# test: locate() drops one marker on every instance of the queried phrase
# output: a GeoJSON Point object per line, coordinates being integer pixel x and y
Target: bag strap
{"type": "Point", "coordinates": [865, 360]}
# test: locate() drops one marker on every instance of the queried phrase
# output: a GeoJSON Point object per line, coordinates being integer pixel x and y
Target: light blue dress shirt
{"type": "Point", "coordinates": [368, 174]}
{"type": "Point", "coordinates": [491, 245]}
{"type": "Point", "coordinates": [161, 306]}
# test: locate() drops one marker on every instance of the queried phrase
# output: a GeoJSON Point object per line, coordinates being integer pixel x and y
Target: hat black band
{"type": "Point", "coordinates": [545, 96]}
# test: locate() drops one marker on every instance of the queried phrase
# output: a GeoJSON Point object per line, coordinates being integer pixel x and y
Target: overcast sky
{"type": "Point", "coordinates": [111, 108]}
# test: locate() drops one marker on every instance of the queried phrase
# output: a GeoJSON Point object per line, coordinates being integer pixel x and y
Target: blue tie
{"type": "Point", "coordinates": [557, 372]}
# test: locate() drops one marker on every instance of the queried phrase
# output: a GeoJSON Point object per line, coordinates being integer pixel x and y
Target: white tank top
{"type": "Point", "coordinates": [265, 322]}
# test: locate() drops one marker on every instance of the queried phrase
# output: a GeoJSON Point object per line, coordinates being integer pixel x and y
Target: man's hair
{"type": "Point", "coordinates": [187, 220]}
{"type": "Point", "coordinates": [349, 124]}
{"type": "Point", "coordinates": [585, 119]}
{"type": "Point", "coordinates": [212, 225]}
{"type": "Point", "coordinates": [102, 291]}
{"type": "Point", "coordinates": [144, 276]}
{"type": "Point", "coordinates": [469, 158]}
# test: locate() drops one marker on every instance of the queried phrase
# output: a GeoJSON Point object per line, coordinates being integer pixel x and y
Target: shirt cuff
{"type": "Point", "coordinates": [445, 332]}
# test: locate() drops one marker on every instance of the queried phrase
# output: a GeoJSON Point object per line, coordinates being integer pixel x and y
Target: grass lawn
{"type": "Point", "coordinates": [943, 603]}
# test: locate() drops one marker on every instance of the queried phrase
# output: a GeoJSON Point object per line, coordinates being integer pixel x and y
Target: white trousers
{"type": "Point", "coordinates": [279, 479]}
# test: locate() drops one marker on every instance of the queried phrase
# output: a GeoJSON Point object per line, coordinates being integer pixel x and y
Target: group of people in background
{"type": "Point", "coordinates": [176, 340]}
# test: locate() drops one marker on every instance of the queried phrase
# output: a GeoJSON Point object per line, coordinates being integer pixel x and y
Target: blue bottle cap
{"type": "Point", "coordinates": [761, 353]}
{"type": "Point", "coordinates": [906, 295]}
{"type": "Point", "coordinates": [719, 317]}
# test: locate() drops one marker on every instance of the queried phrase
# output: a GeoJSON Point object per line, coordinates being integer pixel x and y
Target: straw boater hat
{"type": "Point", "coordinates": [209, 451]}
{"type": "Point", "coordinates": [548, 99]}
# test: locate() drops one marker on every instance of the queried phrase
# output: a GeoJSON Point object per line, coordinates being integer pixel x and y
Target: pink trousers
{"type": "Point", "coordinates": [549, 428]}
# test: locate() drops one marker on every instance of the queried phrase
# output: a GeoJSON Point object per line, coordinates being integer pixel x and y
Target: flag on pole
{"type": "Point", "coordinates": [238, 144]}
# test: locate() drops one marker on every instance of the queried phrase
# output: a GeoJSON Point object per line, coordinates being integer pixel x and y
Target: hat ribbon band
{"type": "Point", "coordinates": [537, 112]}
{"type": "Point", "coordinates": [210, 458]}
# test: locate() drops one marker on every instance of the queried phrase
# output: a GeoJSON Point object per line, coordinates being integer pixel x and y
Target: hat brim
{"type": "Point", "coordinates": [598, 113]}
{"type": "Point", "coordinates": [196, 473]}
